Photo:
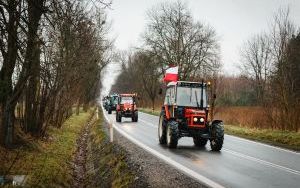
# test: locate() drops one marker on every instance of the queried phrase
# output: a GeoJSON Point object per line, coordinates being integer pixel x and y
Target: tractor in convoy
{"type": "Point", "coordinates": [105, 102]}
{"type": "Point", "coordinates": [112, 103]}
{"type": "Point", "coordinates": [126, 107]}
{"type": "Point", "coordinates": [186, 113]}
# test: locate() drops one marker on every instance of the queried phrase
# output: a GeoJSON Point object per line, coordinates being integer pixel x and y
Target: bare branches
{"type": "Point", "coordinates": [270, 60]}
{"type": "Point", "coordinates": [53, 54]}
{"type": "Point", "coordinates": [176, 39]}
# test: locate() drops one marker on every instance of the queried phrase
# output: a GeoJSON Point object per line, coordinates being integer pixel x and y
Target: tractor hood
{"type": "Point", "coordinates": [194, 111]}
{"type": "Point", "coordinates": [127, 105]}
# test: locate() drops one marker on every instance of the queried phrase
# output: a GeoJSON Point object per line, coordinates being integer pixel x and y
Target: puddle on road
{"type": "Point", "coordinates": [14, 180]}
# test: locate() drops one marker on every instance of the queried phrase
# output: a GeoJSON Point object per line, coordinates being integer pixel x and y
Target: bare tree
{"type": "Point", "coordinates": [271, 60]}
{"type": "Point", "coordinates": [52, 56]}
{"type": "Point", "coordinates": [176, 39]}
{"type": "Point", "coordinates": [256, 63]}
{"type": "Point", "coordinates": [148, 70]}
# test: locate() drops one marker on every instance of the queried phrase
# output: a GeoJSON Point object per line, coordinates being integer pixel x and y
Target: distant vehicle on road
{"type": "Point", "coordinates": [105, 102]}
{"type": "Point", "coordinates": [126, 107]}
{"type": "Point", "coordinates": [186, 113]}
{"type": "Point", "coordinates": [112, 103]}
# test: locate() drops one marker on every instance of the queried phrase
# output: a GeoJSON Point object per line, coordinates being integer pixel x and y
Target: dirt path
{"type": "Point", "coordinates": [80, 159]}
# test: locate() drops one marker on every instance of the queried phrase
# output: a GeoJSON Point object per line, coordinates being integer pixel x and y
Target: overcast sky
{"type": "Point", "coordinates": [234, 21]}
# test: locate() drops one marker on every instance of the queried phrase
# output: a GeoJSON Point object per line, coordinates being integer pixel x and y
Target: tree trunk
{"type": "Point", "coordinates": [6, 89]}
{"type": "Point", "coordinates": [8, 122]}
{"type": "Point", "coordinates": [78, 107]}
{"type": "Point", "coordinates": [32, 63]}
{"type": "Point", "coordinates": [153, 103]}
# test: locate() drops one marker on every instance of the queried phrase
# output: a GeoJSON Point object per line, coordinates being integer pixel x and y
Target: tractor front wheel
{"type": "Point", "coordinates": [162, 130]}
{"type": "Point", "coordinates": [135, 116]}
{"type": "Point", "coordinates": [199, 141]}
{"type": "Point", "coordinates": [118, 117]}
{"type": "Point", "coordinates": [217, 134]}
{"type": "Point", "coordinates": [172, 134]}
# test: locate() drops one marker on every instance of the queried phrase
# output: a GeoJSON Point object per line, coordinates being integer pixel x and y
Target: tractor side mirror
{"type": "Point", "coordinates": [160, 91]}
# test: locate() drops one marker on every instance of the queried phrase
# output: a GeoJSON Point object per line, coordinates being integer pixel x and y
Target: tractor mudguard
{"type": "Point", "coordinates": [167, 112]}
{"type": "Point", "coordinates": [216, 122]}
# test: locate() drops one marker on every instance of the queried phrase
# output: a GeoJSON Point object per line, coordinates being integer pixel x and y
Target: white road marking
{"type": "Point", "coordinates": [150, 124]}
{"type": "Point", "coordinates": [259, 143]}
{"type": "Point", "coordinates": [261, 161]}
{"type": "Point", "coordinates": [177, 165]}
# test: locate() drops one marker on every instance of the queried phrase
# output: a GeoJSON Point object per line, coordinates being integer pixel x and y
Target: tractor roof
{"type": "Point", "coordinates": [128, 95]}
{"type": "Point", "coordinates": [186, 83]}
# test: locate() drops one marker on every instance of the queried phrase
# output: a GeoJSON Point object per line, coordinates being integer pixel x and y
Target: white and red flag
{"type": "Point", "coordinates": [171, 74]}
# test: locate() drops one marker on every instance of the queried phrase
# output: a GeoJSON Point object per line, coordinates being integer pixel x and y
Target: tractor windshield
{"type": "Point", "coordinates": [126, 100]}
{"type": "Point", "coordinates": [114, 99]}
{"type": "Point", "coordinates": [187, 96]}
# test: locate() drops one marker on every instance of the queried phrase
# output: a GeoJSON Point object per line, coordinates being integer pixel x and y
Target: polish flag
{"type": "Point", "coordinates": [171, 74]}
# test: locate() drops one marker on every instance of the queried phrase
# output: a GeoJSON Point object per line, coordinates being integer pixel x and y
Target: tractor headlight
{"type": "Point", "coordinates": [201, 120]}
{"type": "Point", "coordinates": [195, 119]}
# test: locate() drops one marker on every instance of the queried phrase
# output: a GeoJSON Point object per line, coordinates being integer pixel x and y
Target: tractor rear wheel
{"type": "Point", "coordinates": [217, 134]}
{"type": "Point", "coordinates": [199, 141]}
{"type": "Point", "coordinates": [172, 134]}
{"type": "Point", "coordinates": [162, 130]}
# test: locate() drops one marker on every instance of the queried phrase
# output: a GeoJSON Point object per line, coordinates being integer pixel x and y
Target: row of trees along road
{"type": "Point", "coordinates": [52, 56]}
{"type": "Point", "coordinates": [172, 37]}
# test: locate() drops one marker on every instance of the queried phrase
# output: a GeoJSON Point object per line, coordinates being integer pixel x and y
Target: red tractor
{"type": "Point", "coordinates": [186, 113]}
{"type": "Point", "coordinates": [126, 107]}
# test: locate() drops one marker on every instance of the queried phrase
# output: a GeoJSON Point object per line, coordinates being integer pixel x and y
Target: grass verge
{"type": "Point", "coordinates": [110, 166]}
{"type": "Point", "coordinates": [285, 139]}
{"type": "Point", "coordinates": [47, 163]}
{"type": "Point", "coordinates": [149, 111]}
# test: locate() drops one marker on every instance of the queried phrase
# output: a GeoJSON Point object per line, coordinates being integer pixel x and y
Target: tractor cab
{"type": "Point", "coordinates": [188, 102]}
{"type": "Point", "coordinates": [126, 107]}
{"type": "Point", "coordinates": [186, 113]}
{"type": "Point", "coordinates": [112, 103]}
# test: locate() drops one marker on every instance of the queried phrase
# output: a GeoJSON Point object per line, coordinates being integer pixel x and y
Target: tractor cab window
{"type": "Point", "coordinates": [191, 96]}
{"type": "Point", "coordinates": [114, 99]}
{"type": "Point", "coordinates": [126, 100]}
{"type": "Point", "coordinates": [170, 96]}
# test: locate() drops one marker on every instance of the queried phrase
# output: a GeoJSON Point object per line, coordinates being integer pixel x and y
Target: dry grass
{"type": "Point", "coordinates": [110, 161]}
{"type": "Point", "coordinates": [253, 117]}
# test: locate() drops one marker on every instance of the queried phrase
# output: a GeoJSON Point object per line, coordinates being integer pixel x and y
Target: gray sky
{"type": "Point", "coordinates": [234, 21]}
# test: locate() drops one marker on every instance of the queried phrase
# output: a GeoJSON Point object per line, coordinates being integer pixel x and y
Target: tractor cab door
{"type": "Point", "coordinates": [119, 103]}
{"type": "Point", "coordinates": [169, 102]}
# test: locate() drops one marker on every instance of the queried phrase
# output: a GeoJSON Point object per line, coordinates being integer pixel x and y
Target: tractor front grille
{"type": "Point", "coordinates": [198, 122]}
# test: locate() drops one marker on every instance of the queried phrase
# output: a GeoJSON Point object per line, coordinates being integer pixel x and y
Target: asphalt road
{"type": "Point", "coordinates": [240, 163]}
